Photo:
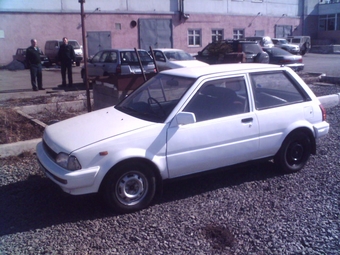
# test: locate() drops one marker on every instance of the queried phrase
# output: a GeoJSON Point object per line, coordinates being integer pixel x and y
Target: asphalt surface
{"type": "Point", "coordinates": [17, 84]}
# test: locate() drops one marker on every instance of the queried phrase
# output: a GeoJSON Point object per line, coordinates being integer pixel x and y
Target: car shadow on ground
{"type": "Point", "coordinates": [75, 87]}
{"type": "Point", "coordinates": [38, 203]}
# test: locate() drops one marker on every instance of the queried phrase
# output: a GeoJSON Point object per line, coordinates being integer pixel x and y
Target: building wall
{"type": "Point", "coordinates": [22, 20]}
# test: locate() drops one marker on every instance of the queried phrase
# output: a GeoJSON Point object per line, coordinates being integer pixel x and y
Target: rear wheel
{"type": "Point", "coordinates": [294, 152]}
{"type": "Point", "coordinates": [130, 187]}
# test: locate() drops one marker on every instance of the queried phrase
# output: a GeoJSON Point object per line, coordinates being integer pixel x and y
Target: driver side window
{"type": "Point", "coordinates": [219, 98]}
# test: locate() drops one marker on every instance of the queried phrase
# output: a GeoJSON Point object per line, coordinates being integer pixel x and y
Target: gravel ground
{"type": "Point", "coordinates": [244, 210]}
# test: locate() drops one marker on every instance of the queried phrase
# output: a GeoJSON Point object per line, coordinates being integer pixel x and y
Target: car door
{"type": "Point", "coordinates": [160, 60]}
{"type": "Point", "coordinates": [225, 132]}
{"type": "Point", "coordinates": [94, 66]}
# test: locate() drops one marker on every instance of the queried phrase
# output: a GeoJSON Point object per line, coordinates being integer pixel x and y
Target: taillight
{"type": "Point", "coordinates": [323, 111]}
{"type": "Point", "coordinates": [118, 69]}
{"type": "Point", "coordinates": [300, 60]}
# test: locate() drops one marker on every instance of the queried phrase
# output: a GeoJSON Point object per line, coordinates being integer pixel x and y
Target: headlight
{"type": "Point", "coordinates": [68, 162]}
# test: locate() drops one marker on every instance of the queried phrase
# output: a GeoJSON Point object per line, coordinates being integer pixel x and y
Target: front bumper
{"type": "Point", "coordinates": [73, 182]}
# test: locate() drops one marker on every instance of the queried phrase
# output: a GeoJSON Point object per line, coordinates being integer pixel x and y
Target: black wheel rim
{"type": "Point", "coordinates": [296, 153]}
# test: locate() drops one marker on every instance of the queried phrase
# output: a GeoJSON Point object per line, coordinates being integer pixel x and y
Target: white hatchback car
{"type": "Point", "coordinates": [174, 58]}
{"type": "Point", "coordinates": [181, 122]}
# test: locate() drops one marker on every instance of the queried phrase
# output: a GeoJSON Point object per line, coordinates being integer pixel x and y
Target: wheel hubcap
{"type": "Point", "coordinates": [131, 188]}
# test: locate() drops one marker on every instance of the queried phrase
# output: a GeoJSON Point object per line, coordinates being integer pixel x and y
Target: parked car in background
{"type": "Point", "coordinates": [264, 41]}
{"type": "Point", "coordinates": [119, 62]}
{"type": "Point", "coordinates": [304, 43]}
{"type": "Point", "coordinates": [233, 51]}
{"type": "Point", "coordinates": [20, 56]}
{"type": "Point", "coordinates": [282, 57]}
{"type": "Point", "coordinates": [285, 45]}
{"type": "Point", "coordinates": [52, 49]}
{"type": "Point", "coordinates": [167, 58]}
{"type": "Point", "coordinates": [181, 122]}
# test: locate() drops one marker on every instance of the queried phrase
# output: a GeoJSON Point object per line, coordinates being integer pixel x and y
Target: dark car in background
{"type": "Point", "coordinates": [233, 51]}
{"type": "Point", "coordinates": [284, 58]}
{"type": "Point", "coordinates": [118, 62]}
{"type": "Point", "coordinates": [20, 56]}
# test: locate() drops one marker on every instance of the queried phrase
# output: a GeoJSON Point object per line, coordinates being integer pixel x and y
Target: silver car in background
{"type": "Point", "coordinates": [168, 58]}
{"type": "Point", "coordinates": [285, 45]}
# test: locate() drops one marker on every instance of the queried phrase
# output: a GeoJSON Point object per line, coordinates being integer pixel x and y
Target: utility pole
{"type": "Point", "coordinates": [85, 54]}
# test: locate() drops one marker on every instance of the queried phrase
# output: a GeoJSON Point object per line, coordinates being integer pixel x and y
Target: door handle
{"type": "Point", "coordinates": [247, 120]}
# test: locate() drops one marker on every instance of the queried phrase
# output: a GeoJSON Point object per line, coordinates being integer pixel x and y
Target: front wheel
{"type": "Point", "coordinates": [130, 187]}
{"type": "Point", "coordinates": [294, 152]}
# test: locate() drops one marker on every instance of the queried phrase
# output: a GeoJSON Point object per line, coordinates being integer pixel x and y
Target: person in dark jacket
{"type": "Point", "coordinates": [66, 57]}
{"type": "Point", "coordinates": [34, 62]}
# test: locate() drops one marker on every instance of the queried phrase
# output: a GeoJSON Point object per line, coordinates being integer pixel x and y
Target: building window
{"type": "Point", "coordinates": [238, 34]}
{"type": "Point", "coordinates": [194, 37]}
{"type": "Point", "coordinates": [216, 35]}
{"type": "Point", "coordinates": [327, 22]}
{"type": "Point", "coordinates": [338, 22]}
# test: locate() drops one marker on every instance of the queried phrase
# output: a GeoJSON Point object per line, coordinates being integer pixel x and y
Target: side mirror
{"type": "Point", "coordinates": [184, 118]}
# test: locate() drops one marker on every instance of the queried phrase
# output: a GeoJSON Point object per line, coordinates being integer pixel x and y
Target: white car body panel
{"type": "Point", "coordinates": [190, 152]}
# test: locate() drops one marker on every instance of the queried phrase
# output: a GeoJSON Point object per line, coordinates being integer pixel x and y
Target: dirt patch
{"type": "Point", "coordinates": [14, 127]}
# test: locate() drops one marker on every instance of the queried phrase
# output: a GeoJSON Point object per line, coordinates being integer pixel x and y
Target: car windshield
{"type": "Point", "coordinates": [296, 41]}
{"type": "Point", "coordinates": [178, 55]}
{"type": "Point", "coordinates": [156, 98]}
{"type": "Point", "coordinates": [130, 57]}
{"type": "Point", "coordinates": [283, 41]}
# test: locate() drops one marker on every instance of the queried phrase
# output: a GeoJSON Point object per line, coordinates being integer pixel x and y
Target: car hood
{"type": "Point", "coordinates": [86, 129]}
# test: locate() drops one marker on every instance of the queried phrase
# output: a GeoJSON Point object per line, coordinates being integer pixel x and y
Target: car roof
{"type": "Point", "coordinates": [195, 72]}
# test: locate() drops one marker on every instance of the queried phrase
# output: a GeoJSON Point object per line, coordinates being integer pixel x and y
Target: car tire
{"type": "Point", "coordinates": [129, 187]}
{"type": "Point", "coordinates": [77, 63]}
{"type": "Point", "coordinates": [294, 152]}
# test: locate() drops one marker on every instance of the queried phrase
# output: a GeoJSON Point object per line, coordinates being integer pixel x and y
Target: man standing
{"type": "Point", "coordinates": [34, 62]}
{"type": "Point", "coordinates": [66, 56]}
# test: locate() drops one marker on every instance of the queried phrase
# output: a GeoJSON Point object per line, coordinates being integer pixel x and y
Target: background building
{"type": "Point", "coordinates": [183, 24]}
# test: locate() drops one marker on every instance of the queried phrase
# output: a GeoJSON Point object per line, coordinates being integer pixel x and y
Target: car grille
{"type": "Point", "coordinates": [49, 151]}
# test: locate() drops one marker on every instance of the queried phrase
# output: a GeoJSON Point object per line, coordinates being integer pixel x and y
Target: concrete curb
{"type": "Point", "coordinates": [330, 79]}
{"type": "Point", "coordinates": [15, 149]}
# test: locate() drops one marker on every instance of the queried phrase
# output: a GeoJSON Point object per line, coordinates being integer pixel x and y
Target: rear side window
{"type": "Point", "coordinates": [130, 57]}
{"type": "Point", "coordinates": [275, 89]}
{"type": "Point", "coordinates": [251, 48]}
